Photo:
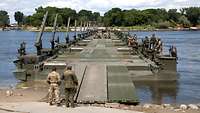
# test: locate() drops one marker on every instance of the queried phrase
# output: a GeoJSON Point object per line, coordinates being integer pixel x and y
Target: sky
{"type": "Point", "coordinates": [28, 6]}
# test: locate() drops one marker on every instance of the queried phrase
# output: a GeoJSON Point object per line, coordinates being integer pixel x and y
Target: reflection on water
{"type": "Point", "coordinates": [158, 92]}
{"type": "Point", "coordinates": [162, 87]}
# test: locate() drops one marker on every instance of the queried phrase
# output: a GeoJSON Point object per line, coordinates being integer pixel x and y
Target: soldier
{"type": "Point", "coordinates": [135, 36]}
{"type": "Point", "coordinates": [109, 36]}
{"type": "Point", "coordinates": [54, 81]}
{"type": "Point", "coordinates": [158, 47]}
{"type": "Point", "coordinates": [173, 51]}
{"type": "Point", "coordinates": [22, 49]}
{"type": "Point", "coordinates": [67, 39]}
{"type": "Point", "coordinates": [152, 41]}
{"type": "Point", "coordinates": [130, 40]}
{"type": "Point", "coordinates": [95, 36]}
{"type": "Point", "coordinates": [146, 43]}
{"type": "Point", "coordinates": [71, 83]}
{"type": "Point", "coordinates": [57, 41]}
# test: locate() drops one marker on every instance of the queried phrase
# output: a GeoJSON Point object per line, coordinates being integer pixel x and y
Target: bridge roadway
{"type": "Point", "coordinates": [103, 68]}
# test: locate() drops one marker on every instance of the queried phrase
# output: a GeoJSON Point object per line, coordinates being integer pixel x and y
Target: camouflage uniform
{"type": "Point", "coordinates": [54, 81]}
{"type": "Point", "coordinates": [71, 83]}
{"type": "Point", "coordinates": [146, 43]}
{"type": "Point", "coordinates": [130, 41]}
{"type": "Point", "coordinates": [173, 51]}
{"type": "Point", "coordinates": [153, 41]}
{"type": "Point", "coordinates": [159, 47]}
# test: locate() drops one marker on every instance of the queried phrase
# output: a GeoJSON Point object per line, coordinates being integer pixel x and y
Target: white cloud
{"type": "Point", "coordinates": [74, 4]}
{"type": "Point", "coordinates": [28, 6]}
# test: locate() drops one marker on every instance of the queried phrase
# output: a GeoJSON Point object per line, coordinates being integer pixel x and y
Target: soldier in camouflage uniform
{"type": "Point", "coordinates": [173, 51]}
{"type": "Point", "coordinates": [54, 81]}
{"type": "Point", "coordinates": [71, 83]}
{"type": "Point", "coordinates": [153, 41]}
{"type": "Point", "coordinates": [159, 46]}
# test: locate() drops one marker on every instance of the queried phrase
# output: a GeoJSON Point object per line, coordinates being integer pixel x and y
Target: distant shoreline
{"type": "Point", "coordinates": [124, 29]}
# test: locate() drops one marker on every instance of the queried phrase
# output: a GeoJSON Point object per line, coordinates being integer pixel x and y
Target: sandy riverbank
{"type": "Point", "coordinates": [24, 92]}
{"type": "Point", "coordinates": [29, 99]}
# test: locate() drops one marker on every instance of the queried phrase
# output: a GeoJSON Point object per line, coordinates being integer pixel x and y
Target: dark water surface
{"type": "Point", "coordinates": [185, 90]}
{"type": "Point", "coordinates": [9, 43]}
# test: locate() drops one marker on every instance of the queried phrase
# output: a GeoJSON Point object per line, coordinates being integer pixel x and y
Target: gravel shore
{"type": "Point", "coordinates": [31, 100]}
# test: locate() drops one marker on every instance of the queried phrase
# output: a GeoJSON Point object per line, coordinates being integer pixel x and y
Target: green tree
{"type": "Point", "coordinates": [118, 17]}
{"type": "Point", "coordinates": [4, 18]}
{"type": "Point", "coordinates": [85, 15]}
{"type": "Point", "coordinates": [27, 20]}
{"type": "Point", "coordinates": [100, 21]}
{"type": "Point", "coordinates": [37, 19]}
{"type": "Point", "coordinates": [106, 21]}
{"type": "Point", "coordinates": [157, 15]}
{"type": "Point", "coordinates": [174, 15]}
{"type": "Point", "coordinates": [66, 13]}
{"type": "Point", "coordinates": [59, 20]}
{"type": "Point", "coordinates": [40, 10]}
{"type": "Point", "coordinates": [19, 16]}
{"type": "Point", "coordinates": [184, 21]}
{"type": "Point", "coordinates": [113, 17]}
{"type": "Point", "coordinates": [182, 10]}
{"type": "Point", "coordinates": [193, 15]}
{"type": "Point", "coordinates": [135, 17]}
{"type": "Point", "coordinates": [52, 11]}
{"type": "Point", "coordinates": [95, 16]}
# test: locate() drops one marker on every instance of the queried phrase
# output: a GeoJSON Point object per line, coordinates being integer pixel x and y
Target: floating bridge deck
{"type": "Point", "coordinates": [104, 68]}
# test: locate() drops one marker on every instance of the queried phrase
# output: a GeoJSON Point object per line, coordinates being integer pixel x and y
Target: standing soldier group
{"type": "Point", "coordinates": [153, 46]}
{"type": "Point", "coordinates": [70, 84]}
{"type": "Point", "coordinates": [103, 35]}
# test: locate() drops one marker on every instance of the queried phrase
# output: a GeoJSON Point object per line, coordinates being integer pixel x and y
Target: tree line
{"type": "Point", "coordinates": [160, 17]}
{"type": "Point", "coordinates": [156, 17]}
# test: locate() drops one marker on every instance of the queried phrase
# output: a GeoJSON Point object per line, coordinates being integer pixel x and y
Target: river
{"type": "Point", "coordinates": [185, 90]}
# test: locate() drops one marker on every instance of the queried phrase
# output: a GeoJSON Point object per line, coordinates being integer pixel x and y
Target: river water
{"type": "Point", "coordinates": [185, 90]}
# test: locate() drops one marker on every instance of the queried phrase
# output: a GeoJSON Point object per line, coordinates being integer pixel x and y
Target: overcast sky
{"type": "Point", "coordinates": [28, 6]}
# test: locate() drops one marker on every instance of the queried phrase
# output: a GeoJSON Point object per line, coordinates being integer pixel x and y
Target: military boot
{"type": "Point", "coordinates": [50, 103]}
{"type": "Point", "coordinates": [67, 105]}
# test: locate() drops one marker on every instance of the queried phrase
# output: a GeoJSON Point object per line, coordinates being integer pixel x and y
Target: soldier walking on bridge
{"type": "Point", "coordinates": [54, 81]}
{"type": "Point", "coordinates": [71, 83]}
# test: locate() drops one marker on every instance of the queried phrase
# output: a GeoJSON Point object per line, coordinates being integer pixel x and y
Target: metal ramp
{"type": "Point", "coordinates": [94, 85]}
{"type": "Point", "coordinates": [101, 83]}
{"type": "Point", "coordinates": [120, 86]}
